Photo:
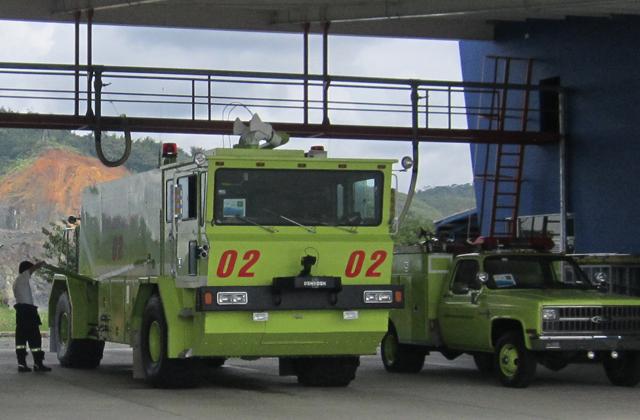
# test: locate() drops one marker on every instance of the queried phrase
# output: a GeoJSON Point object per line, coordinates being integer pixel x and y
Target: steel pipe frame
{"type": "Point", "coordinates": [390, 82]}
{"type": "Point", "coordinates": [354, 132]}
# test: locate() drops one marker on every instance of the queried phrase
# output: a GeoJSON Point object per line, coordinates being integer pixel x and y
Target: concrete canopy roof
{"type": "Point", "coordinates": [445, 19]}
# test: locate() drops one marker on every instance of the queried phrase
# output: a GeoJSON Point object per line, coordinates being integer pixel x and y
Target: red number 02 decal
{"type": "Point", "coordinates": [356, 261]}
{"type": "Point", "coordinates": [228, 260]}
{"type": "Point", "coordinates": [251, 257]}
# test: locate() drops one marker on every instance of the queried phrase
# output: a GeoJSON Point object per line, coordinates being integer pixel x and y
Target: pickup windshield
{"type": "Point", "coordinates": [534, 272]}
{"type": "Point", "coordinates": [281, 197]}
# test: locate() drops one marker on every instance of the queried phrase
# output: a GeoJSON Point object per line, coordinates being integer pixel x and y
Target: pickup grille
{"type": "Point", "coordinates": [595, 319]}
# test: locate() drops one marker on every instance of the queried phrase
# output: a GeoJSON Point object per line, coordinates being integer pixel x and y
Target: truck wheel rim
{"type": "Point", "coordinates": [508, 360]}
{"type": "Point", "coordinates": [64, 328]}
{"type": "Point", "coordinates": [154, 341]}
{"type": "Point", "coordinates": [389, 347]}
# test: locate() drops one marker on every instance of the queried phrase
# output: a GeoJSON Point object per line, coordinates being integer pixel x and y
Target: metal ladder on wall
{"type": "Point", "coordinates": [508, 159]}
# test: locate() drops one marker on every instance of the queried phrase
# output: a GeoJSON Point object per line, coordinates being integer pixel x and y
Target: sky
{"type": "Point", "coordinates": [440, 164]}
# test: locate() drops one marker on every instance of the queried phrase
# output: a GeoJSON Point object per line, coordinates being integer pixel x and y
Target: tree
{"type": "Point", "coordinates": [60, 246]}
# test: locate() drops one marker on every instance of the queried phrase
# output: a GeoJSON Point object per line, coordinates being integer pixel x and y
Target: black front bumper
{"type": "Point", "coordinates": [269, 298]}
{"type": "Point", "coordinates": [584, 342]}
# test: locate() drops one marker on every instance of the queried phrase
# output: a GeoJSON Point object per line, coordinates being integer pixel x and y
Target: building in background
{"type": "Point", "coordinates": [596, 61]}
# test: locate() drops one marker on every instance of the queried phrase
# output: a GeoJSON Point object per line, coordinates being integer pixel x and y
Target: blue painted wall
{"type": "Point", "coordinates": [598, 60]}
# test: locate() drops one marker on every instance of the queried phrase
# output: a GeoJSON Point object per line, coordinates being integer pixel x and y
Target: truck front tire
{"type": "Point", "coordinates": [624, 371]}
{"type": "Point", "coordinates": [327, 371]}
{"type": "Point", "coordinates": [400, 358]}
{"type": "Point", "coordinates": [159, 370]}
{"type": "Point", "coordinates": [73, 353]}
{"type": "Point", "coordinates": [515, 364]}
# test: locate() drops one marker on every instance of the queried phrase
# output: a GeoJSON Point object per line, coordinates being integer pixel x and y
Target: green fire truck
{"type": "Point", "coordinates": [511, 309]}
{"type": "Point", "coordinates": [246, 252]}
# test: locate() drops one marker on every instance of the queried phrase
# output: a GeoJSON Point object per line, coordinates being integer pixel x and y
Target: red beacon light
{"type": "Point", "coordinates": [169, 153]}
{"type": "Point", "coordinates": [317, 152]}
{"type": "Point", "coordinates": [169, 150]}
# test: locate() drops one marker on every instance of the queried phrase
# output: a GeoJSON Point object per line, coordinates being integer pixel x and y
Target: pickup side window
{"type": "Point", "coordinates": [465, 277]}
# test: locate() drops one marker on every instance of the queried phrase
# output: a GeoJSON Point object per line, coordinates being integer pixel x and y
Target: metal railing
{"type": "Point", "coordinates": [159, 95]}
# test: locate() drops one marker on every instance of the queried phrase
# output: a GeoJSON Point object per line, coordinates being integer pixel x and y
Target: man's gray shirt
{"type": "Point", "coordinates": [22, 288]}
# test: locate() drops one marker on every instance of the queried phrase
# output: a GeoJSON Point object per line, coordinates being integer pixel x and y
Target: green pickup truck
{"type": "Point", "coordinates": [510, 310]}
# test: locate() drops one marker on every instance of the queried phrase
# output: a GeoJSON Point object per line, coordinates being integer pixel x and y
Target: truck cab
{"type": "Point", "coordinates": [511, 309]}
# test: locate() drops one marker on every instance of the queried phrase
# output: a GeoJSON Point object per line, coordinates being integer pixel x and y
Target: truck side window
{"type": "Point", "coordinates": [203, 198]}
{"type": "Point", "coordinates": [465, 277]}
{"type": "Point", "coordinates": [189, 196]}
{"type": "Point", "coordinates": [169, 200]}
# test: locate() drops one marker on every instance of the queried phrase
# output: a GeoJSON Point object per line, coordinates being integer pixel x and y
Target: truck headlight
{"type": "Point", "coordinates": [549, 314]}
{"type": "Point", "coordinates": [232, 298]}
{"type": "Point", "coordinates": [378, 296]}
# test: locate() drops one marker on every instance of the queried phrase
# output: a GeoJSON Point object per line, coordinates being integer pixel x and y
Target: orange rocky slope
{"type": "Point", "coordinates": [51, 186]}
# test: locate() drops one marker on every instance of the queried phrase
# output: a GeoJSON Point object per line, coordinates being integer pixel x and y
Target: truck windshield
{"type": "Point", "coordinates": [273, 197]}
{"type": "Point", "coordinates": [534, 272]}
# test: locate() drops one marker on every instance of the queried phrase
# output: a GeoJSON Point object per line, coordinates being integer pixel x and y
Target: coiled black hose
{"type": "Point", "coordinates": [97, 133]}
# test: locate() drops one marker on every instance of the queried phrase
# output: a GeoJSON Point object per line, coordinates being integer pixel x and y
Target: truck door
{"type": "Point", "coordinates": [463, 323]}
{"type": "Point", "coordinates": [183, 227]}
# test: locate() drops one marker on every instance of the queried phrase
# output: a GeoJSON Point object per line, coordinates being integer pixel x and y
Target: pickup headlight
{"type": "Point", "coordinates": [549, 314]}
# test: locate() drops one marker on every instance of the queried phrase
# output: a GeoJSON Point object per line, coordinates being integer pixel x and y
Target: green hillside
{"type": "Point", "coordinates": [449, 199]}
{"type": "Point", "coordinates": [432, 204]}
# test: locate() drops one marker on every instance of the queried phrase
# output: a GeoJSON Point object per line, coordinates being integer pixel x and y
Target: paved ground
{"type": "Point", "coordinates": [253, 390]}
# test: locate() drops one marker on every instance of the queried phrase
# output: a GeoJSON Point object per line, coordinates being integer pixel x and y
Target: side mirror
{"type": "Point", "coordinates": [601, 280]}
{"type": "Point", "coordinates": [601, 277]}
{"type": "Point", "coordinates": [482, 278]}
{"type": "Point", "coordinates": [407, 163]}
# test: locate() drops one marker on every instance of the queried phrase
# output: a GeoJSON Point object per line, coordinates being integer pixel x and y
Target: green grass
{"type": "Point", "coordinates": [8, 319]}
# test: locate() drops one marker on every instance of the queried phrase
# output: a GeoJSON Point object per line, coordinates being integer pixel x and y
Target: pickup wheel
{"type": "Point", "coordinates": [159, 370]}
{"type": "Point", "coordinates": [515, 365]}
{"type": "Point", "coordinates": [74, 353]}
{"type": "Point", "coordinates": [327, 371]}
{"type": "Point", "coordinates": [624, 371]}
{"type": "Point", "coordinates": [485, 362]}
{"type": "Point", "coordinates": [400, 358]}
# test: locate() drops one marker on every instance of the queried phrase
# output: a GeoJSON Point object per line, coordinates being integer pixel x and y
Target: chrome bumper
{"type": "Point", "coordinates": [584, 342]}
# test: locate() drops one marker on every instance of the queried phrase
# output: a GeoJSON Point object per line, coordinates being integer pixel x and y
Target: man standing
{"type": "Point", "coordinates": [27, 320]}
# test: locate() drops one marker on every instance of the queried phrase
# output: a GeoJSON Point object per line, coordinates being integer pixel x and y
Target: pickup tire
{"type": "Point", "coordinates": [485, 362]}
{"type": "Point", "coordinates": [400, 358]}
{"type": "Point", "coordinates": [515, 364]}
{"type": "Point", "coordinates": [73, 353]}
{"type": "Point", "coordinates": [624, 371]}
{"type": "Point", "coordinates": [159, 370]}
{"type": "Point", "coordinates": [327, 371]}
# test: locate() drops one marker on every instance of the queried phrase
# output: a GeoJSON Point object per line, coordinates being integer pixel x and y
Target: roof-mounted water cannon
{"type": "Point", "coordinates": [251, 135]}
